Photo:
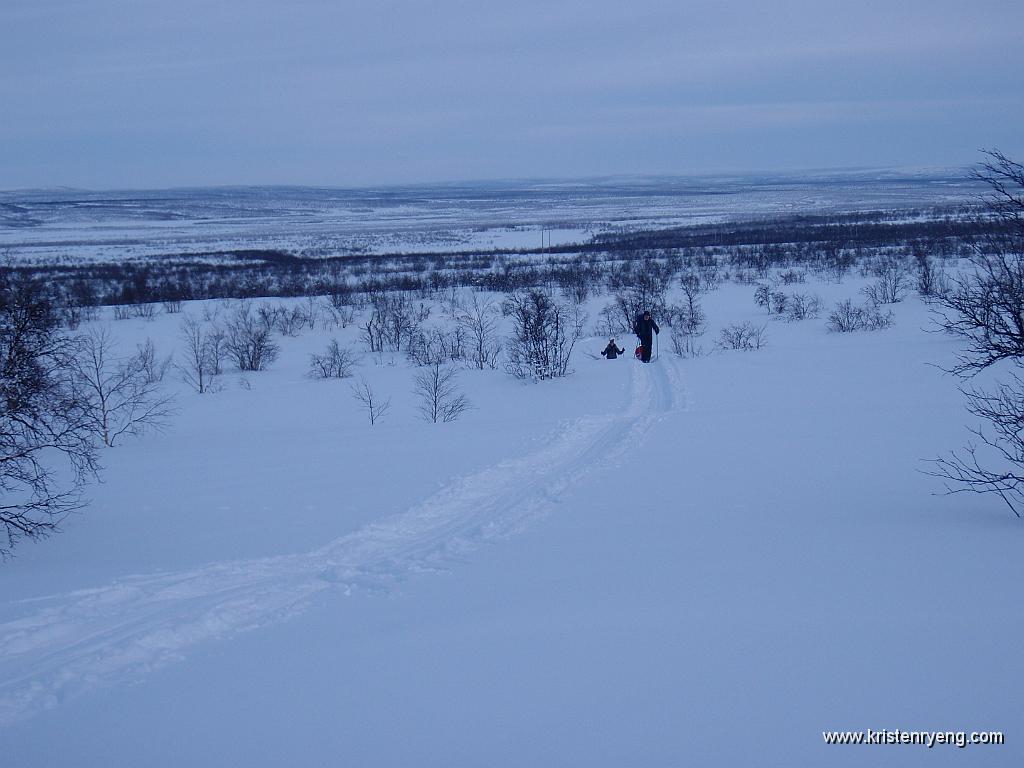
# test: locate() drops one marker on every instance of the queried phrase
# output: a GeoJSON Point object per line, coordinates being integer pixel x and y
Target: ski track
{"type": "Point", "coordinates": [96, 638]}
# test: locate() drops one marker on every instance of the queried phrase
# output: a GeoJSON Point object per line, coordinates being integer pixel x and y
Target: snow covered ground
{"type": "Point", "coordinates": [705, 561]}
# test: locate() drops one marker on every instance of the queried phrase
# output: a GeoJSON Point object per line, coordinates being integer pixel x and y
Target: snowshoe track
{"type": "Point", "coordinates": [94, 638]}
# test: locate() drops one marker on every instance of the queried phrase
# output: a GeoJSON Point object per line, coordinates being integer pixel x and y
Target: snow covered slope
{"type": "Point", "coordinates": [698, 562]}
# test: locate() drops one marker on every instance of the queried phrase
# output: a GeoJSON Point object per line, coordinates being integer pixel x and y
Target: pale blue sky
{"type": "Point", "coordinates": [154, 93]}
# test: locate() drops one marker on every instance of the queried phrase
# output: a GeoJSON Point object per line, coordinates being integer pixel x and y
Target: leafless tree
{"type": "Point", "coordinates": [47, 451]}
{"type": "Point", "coordinates": [202, 356]}
{"type": "Point", "coordinates": [311, 311]}
{"type": "Point", "coordinates": [119, 399]}
{"type": "Point", "coordinates": [437, 390]}
{"type": "Point", "coordinates": [985, 308]}
{"type": "Point", "coordinates": [931, 279]}
{"type": "Point", "coordinates": [479, 318]}
{"type": "Point", "coordinates": [1000, 471]}
{"type": "Point", "coordinates": [372, 332]}
{"type": "Point", "coordinates": [153, 368]}
{"type": "Point", "coordinates": [336, 363]}
{"type": "Point", "coordinates": [374, 406]}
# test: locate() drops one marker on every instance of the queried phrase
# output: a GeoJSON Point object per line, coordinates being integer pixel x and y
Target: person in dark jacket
{"type": "Point", "coordinates": [645, 328]}
{"type": "Point", "coordinates": [612, 351]}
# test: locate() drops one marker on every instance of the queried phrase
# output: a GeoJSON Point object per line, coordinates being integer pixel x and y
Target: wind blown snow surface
{"type": "Point", "coordinates": [706, 561]}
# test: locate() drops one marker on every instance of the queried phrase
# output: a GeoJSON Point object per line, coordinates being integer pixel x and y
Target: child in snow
{"type": "Point", "coordinates": [612, 351]}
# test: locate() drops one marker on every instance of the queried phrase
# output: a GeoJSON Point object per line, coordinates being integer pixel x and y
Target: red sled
{"type": "Point", "coordinates": [639, 352]}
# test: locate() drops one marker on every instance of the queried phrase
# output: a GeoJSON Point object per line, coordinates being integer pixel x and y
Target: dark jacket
{"type": "Point", "coordinates": [611, 351]}
{"type": "Point", "coordinates": [645, 327]}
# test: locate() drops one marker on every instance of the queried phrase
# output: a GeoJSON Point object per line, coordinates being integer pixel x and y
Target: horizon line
{"type": "Point", "coordinates": [925, 170]}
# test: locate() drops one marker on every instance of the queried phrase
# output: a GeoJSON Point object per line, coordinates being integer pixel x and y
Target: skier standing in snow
{"type": "Point", "coordinates": [612, 350]}
{"type": "Point", "coordinates": [645, 328]}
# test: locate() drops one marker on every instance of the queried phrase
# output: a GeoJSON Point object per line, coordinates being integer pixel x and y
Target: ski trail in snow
{"type": "Point", "coordinates": [118, 633]}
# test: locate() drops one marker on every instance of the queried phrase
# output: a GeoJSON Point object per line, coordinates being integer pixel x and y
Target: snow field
{"type": "Point", "coordinates": [704, 561]}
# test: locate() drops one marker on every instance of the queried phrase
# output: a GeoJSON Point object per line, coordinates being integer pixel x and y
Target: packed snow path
{"type": "Point", "coordinates": [91, 638]}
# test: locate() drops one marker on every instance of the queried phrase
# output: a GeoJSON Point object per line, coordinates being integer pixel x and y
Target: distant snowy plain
{"type": "Point", "coordinates": [77, 226]}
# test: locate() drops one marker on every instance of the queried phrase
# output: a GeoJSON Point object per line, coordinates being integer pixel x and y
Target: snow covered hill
{"type": "Point", "coordinates": [703, 561]}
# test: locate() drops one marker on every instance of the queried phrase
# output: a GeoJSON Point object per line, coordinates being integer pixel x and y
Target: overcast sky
{"type": "Point", "coordinates": [155, 93]}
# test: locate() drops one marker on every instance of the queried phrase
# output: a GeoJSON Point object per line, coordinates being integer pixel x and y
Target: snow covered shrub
{"type": "Point", "coordinates": [745, 336]}
{"type": "Point", "coordinates": [848, 317]}
{"type": "Point", "coordinates": [710, 278]}
{"type": "Point", "coordinates": [122, 312]}
{"type": "Point", "coordinates": [434, 345]}
{"type": "Point", "coordinates": [835, 261]}
{"type": "Point", "coordinates": [291, 321]}
{"type": "Point", "coordinates": [73, 314]}
{"type": "Point", "coordinates": [544, 332]}
{"type": "Point", "coordinates": [778, 301]}
{"type": "Point", "coordinates": [892, 284]}
{"type": "Point", "coordinates": [610, 322]}
{"type": "Point", "coordinates": [248, 342]}
{"type": "Point", "coordinates": [763, 297]}
{"type": "Point", "coordinates": [688, 322]}
{"type": "Point", "coordinates": [337, 315]}
{"type": "Point", "coordinates": [393, 321]}
{"type": "Point", "coordinates": [877, 320]}
{"type": "Point", "coordinates": [172, 307]}
{"type": "Point", "coordinates": [336, 363]}
{"type": "Point", "coordinates": [642, 287]}
{"type": "Point", "coordinates": [577, 280]}
{"type": "Point", "coordinates": [145, 311]}
{"type": "Point", "coordinates": [745, 277]}
{"type": "Point", "coordinates": [802, 306]}
{"type": "Point", "coordinates": [773, 301]}
{"type": "Point", "coordinates": [791, 276]}
{"type": "Point", "coordinates": [931, 279]}
{"type": "Point", "coordinates": [685, 344]}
